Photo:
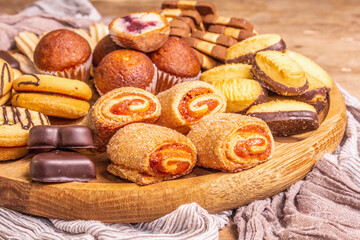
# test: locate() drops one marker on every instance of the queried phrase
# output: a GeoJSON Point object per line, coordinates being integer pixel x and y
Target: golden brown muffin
{"type": "Point", "coordinates": [63, 53]}
{"type": "Point", "coordinates": [103, 48]}
{"type": "Point", "coordinates": [176, 62]}
{"type": "Point", "coordinates": [125, 68]}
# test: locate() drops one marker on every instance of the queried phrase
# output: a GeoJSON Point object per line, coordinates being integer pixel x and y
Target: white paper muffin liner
{"type": "Point", "coordinates": [81, 72]}
{"type": "Point", "coordinates": [166, 80]}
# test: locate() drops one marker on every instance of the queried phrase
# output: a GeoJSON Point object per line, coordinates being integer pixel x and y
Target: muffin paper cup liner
{"type": "Point", "coordinates": [166, 80]}
{"type": "Point", "coordinates": [151, 88]}
{"type": "Point", "coordinates": [81, 72]}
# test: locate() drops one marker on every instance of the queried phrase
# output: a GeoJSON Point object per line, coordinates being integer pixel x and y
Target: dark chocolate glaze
{"type": "Point", "coordinates": [287, 123]}
{"type": "Point", "coordinates": [274, 86]}
{"type": "Point", "coordinates": [309, 97]}
{"type": "Point", "coordinates": [2, 81]}
{"type": "Point", "coordinates": [72, 136]}
{"type": "Point", "coordinates": [15, 114]}
{"type": "Point", "coordinates": [62, 166]}
{"type": "Point", "coordinates": [249, 58]}
{"type": "Point", "coordinates": [9, 59]}
{"type": "Point", "coordinates": [261, 99]}
{"type": "Point", "coordinates": [37, 83]}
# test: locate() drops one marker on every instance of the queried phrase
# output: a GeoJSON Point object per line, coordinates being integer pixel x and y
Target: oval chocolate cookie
{"type": "Point", "coordinates": [279, 73]}
{"type": "Point", "coordinates": [286, 117]}
{"type": "Point", "coordinates": [244, 51]}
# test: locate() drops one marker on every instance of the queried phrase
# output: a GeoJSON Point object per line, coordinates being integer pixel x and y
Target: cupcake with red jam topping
{"type": "Point", "coordinates": [142, 31]}
{"type": "Point", "coordinates": [63, 53]}
{"type": "Point", "coordinates": [176, 62]}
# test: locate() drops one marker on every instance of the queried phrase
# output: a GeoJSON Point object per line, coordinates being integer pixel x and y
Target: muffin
{"type": "Point", "coordinates": [143, 31]}
{"type": "Point", "coordinates": [63, 53]}
{"type": "Point", "coordinates": [103, 48]}
{"type": "Point", "coordinates": [125, 68]}
{"type": "Point", "coordinates": [175, 62]}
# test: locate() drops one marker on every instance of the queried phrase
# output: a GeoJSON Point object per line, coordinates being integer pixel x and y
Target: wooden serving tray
{"type": "Point", "coordinates": [111, 199]}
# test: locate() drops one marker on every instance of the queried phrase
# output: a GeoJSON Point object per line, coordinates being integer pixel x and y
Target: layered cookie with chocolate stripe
{"type": "Point", "coordinates": [227, 72]}
{"type": "Point", "coordinates": [279, 73]}
{"type": "Point", "coordinates": [179, 32]}
{"type": "Point", "coordinates": [189, 21]}
{"type": "Point", "coordinates": [228, 21]}
{"type": "Point", "coordinates": [215, 38]}
{"type": "Point", "coordinates": [193, 14]}
{"type": "Point", "coordinates": [315, 95]}
{"type": "Point", "coordinates": [236, 33]}
{"type": "Point", "coordinates": [244, 51]}
{"type": "Point", "coordinates": [241, 93]}
{"type": "Point", "coordinates": [216, 51]}
{"type": "Point", "coordinates": [286, 117]}
{"type": "Point", "coordinates": [206, 62]}
{"type": "Point", "coordinates": [203, 8]}
{"type": "Point", "coordinates": [311, 68]}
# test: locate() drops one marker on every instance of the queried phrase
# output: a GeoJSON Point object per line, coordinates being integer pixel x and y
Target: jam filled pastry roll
{"type": "Point", "coordinates": [118, 108]}
{"type": "Point", "coordinates": [146, 153]}
{"type": "Point", "coordinates": [231, 142]}
{"type": "Point", "coordinates": [187, 103]}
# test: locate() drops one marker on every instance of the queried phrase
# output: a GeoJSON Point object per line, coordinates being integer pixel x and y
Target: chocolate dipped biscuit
{"type": "Point", "coordinates": [286, 117]}
{"type": "Point", "coordinates": [232, 142]}
{"type": "Point", "coordinates": [235, 33]}
{"type": "Point", "coordinates": [216, 51]}
{"type": "Point", "coordinates": [227, 72]}
{"type": "Point", "coordinates": [241, 93]}
{"type": "Point", "coordinates": [311, 68]}
{"type": "Point", "coordinates": [244, 51]}
{"type": "Point", "coordinates": [215, 38]}
{"type": "Point", "coordinates": [4, 55]}
{"type": "Point", "coordinates": [146, 154]}
{"type": "Point", "coordinates": [279, 73]}
{"type": "Point", "coordinates": [233, 22]}
{"type": "Point", "coordinates": [203, 8]}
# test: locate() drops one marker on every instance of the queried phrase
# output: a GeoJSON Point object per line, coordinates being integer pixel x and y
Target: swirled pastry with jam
{"type": "Point", "coordinates": [146, 153]}
{"type": "Point", "coordinates": [231, 142]}
{"type": "Point", "coordinates": [118, 108]}
{"type": "Point", "coordinates": [187, 103]}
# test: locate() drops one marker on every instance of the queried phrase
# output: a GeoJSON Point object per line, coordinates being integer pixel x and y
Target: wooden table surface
{"type": "Point", "coordinates": [327, 31]}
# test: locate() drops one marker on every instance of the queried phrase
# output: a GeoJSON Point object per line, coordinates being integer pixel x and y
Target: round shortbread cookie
{"type": "Point", "coordinates": [6, 77]}
{"type": "Point", "coordinates": [15, 124]}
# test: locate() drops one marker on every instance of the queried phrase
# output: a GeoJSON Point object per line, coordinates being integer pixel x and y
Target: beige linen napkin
{"type": "Point", "coordinates": [324, 205]}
